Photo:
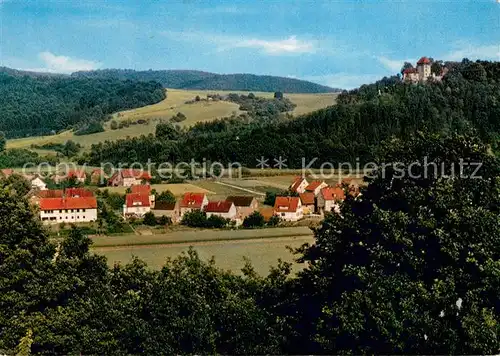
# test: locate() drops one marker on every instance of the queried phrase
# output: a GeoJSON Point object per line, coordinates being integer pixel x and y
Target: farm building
{"type": "Point", "coordinates": [129, 177]}
{"type": "Point", "coordinates": [288, 208]}
{"type": "Point", "coordinates": [223, 208]}
{"type": "Point", "coordinates": [136, 205]}
{"type": "Point", "coordinates": [245, 205]}
{"type": "Point", "coordinates": [299, 185]}
{"type": "Point", "coordinates": [329, 198]}
{"type": "Point", "coordinates": [170, 210]}
{"type": "Point", "coordinates": [315, 187]}
{"type": "Point", "coordinates": [308, 202]}
{"type": "Point", "coordinates": [192, 201]}
{"type": "Point", "coordinates": [78, 209]}
{"type": "Point", "coordinates": [37, 183]}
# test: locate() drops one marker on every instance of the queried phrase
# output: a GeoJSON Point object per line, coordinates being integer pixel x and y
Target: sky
{"type": "Point", "coordinates": [337, 43]}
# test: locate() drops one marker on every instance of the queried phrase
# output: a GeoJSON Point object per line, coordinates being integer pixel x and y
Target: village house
{"type": "Point", "coordinates": [97, 176]}
{"type": "Point", "coordinates": [36, 182]}
{"type": "Point", "coordinates": [288, 208]}
{"type": "Point", "coordinates": [225, 209]}
{"type": "Point", "coordinates": [78, 192]}
{"type": "Point", "coordinates": [69, 210]}
{"type": "Point", "coordinates": [308, 202]}
{"type": "Point", "coordinates": [299, 185]}
{"type": "Point", "coordinates": [78, 175]}
{"type": "Point", "coordinates": [315, 187]}
{"type": "Point", "coordinates": [129, 177]}
{"type": "Point", "coordinates": [245, 205]}
{"type": "Point", "coordinates": [329, 198]}
{"type": "Point", "coordinates": [171, 210]}
{"type": "Point", "coordinates": [192, 201]}
{"type": "Point", "coordinates": [144, 189]}
{"type": "Point", "coordinates": [136, 205]}
{"type": "Point", "coordinates": [6, 172]}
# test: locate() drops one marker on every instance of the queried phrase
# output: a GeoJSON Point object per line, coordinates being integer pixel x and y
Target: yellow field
{"type": "Point", "coordinates": [175, 102]}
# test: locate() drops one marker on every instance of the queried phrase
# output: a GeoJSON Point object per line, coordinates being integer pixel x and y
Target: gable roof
{"type": "Point", "coordinates": [314, 184]}
{"type": "Point", "coordinates": [192, 200]}
{"type": "Point", "coordinates": [163, 205]}
{"type": "Point", "coordinates": [78, 192]}
{"type": "Point", "coordinates": [141, 189]}
{"type": "Point", "coordinates": [135, 173]}
{"type": "Point", "coordinates": [424, 60]}
{"type": "Point", "coordinates": [296, 183]}
{"type": "Point", "coordinates": [137, 199]}
{"type": "Point", "coordinates": [68, 203]}
{"type": "Point", "coordinates": [410, 70]}
{"type": "Point", "coordinates": [330, 193]}
{"type": "Point", "coordinates": [286, 204]}
{"type": "Point", "coordinates": [222, 206]}
{"type": "Point", "coordinates": [307, 198]}
{"type": "Point", "coordinates": [50, 193]}
{"type": "Point", "coordinates": [241, 200]}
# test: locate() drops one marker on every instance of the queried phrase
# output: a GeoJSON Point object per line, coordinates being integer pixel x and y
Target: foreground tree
{"type": "Point", "coordinates": [413, 265]}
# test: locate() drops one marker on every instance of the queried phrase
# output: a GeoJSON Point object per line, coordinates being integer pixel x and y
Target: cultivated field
{"type": "Point", "coordinates": [262, 250]}
{"type": "Point", "coordinates": [176, 189]}
{"type": "Point", "coordinates": [175, 102]}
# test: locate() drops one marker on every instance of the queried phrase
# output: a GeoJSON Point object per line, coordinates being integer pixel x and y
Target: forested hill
{"type": "Point", "coordinates": [191, 79]}
{"type": "Point", "coordinates": [36, 105]}
{"type": "Point", "coordinates": [467, 101]}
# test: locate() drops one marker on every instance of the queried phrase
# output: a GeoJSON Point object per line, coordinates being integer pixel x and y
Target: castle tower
{"type": "Point", "coordinates": [424, 68]}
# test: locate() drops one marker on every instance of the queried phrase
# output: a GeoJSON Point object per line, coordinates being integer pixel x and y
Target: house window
{"type": "Point", "coordinates": [83, 210]}
{"type": "Point", "coordinates": [60, 211]}
{"type": "Point", "coordinates": [66, 210]}
{"type": "Point", "coordinates": [282, 214]}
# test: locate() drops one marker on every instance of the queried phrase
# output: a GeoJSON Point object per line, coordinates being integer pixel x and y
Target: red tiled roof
{"type": "Point", "coordinates": [222, 206]}
{"type": "Point", "coordinates": [296, 183]}
{"type": "Point", "coordinates": [314, 184]}
{"type": "Point", "coordinates": [267, 213]}
{"type": "Point", "coordinates": [410, 70]}
{"type": "Point", "coordinates": [424, 60]}
{"type": "Point", "coordinates": [50, 193]}
{"type": "Point", "coordinates": [137, 199]}
{"type": "Point", "coordinates": [333, 193]}
{"type": "Point", "coordinates": [7, 172]}
{"type": "Point", "coordinates": [307, 198]}
{"type": "Point", "coordinates": [76, 174]}
{"type": "Point", "coordinates": [286, 204]}
{"type": "Point", "coordinates": [192, 200]}
{"type": "Point", "coordinates": [78, 192]}
{"type": "Point", "coordinates": [135, 173]}
{"type": "Point", "coordinates": [141, 189]}
{"type": "Point", "coordinates": [68, 203]}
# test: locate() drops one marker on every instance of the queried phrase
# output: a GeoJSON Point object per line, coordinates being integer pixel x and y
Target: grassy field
{"type": "Point", "coordinates": [176, 189]}
{"type": "Point", "coordinates": [262, 247]}
{"type": "Point", "coordinates": [175, 102]}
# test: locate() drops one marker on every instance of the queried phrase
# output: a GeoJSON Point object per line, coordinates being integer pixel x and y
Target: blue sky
{"type": "Point", "coordinates": [337, 43]}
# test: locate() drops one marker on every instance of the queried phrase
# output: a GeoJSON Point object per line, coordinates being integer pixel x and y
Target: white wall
{"type": "Point", "coordinates": [68, 216]}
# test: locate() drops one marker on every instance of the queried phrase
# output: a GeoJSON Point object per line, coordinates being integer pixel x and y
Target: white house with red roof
{"type": "Point", "coordinates": [68, 209]}
{"type": "Point", "coordinates": [144, 189]}
{"type": "Point", "coordinates": [136, 205]}
{"type": "Point", "coordinates": [308, 201]}
{"type": "Point", "coordinates": [315, 187]}
{"type": "Point", "coordinates": [422, 72]}
{"type": "Point", "coordinates": [298, 185]}
{"type": "Point", "coordinates": [192, 201]}
{"type": "Point", "coordinates": [329, 199]}
{"type": "Point", "coordinates": [288, 208]}
{"type": "Point", "coordinates": [129, 177]}
{"type": "Point", "coordinates": [223, 208]}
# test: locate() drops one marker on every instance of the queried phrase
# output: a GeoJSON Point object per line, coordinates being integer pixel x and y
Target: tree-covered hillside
{"type": "Point", "coordinates": [40, 105]}
{"type": "Point", "coordinates": [191, 79]}
{"type": "Point", "coordinates": [466, 101]}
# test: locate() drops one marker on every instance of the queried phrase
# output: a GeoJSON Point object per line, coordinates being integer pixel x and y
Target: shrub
{"type": "Point", "coordinates": [254, 220]}
{"type": "Point", "coordinates": [149, 219]}
{"type": "Point", "coordinates": [195, 218]}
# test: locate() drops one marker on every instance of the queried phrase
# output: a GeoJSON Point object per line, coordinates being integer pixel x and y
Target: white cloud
{"type": "Point", "coordinates": [344, 80]}
{"type": "Point", "coordinates": [489, 52]}
{"type": "Point", "coordinates": [393, 64]}
{"type": "Point", "coordinates": [63, 64]}
{"type": "Point", "coordinates": [290, 45]}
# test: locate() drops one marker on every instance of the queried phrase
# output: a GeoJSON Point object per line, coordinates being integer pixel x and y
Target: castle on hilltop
{"type": "Point", "coordinates": [423, 72]}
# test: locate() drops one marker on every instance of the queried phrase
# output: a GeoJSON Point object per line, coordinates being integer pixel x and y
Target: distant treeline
{"type": "Point", "coordinates": [47, 104]}
{"type": "Point", "coordinates": [192, 79]}
{"type": "Point", "coordinates": [467, 100]}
